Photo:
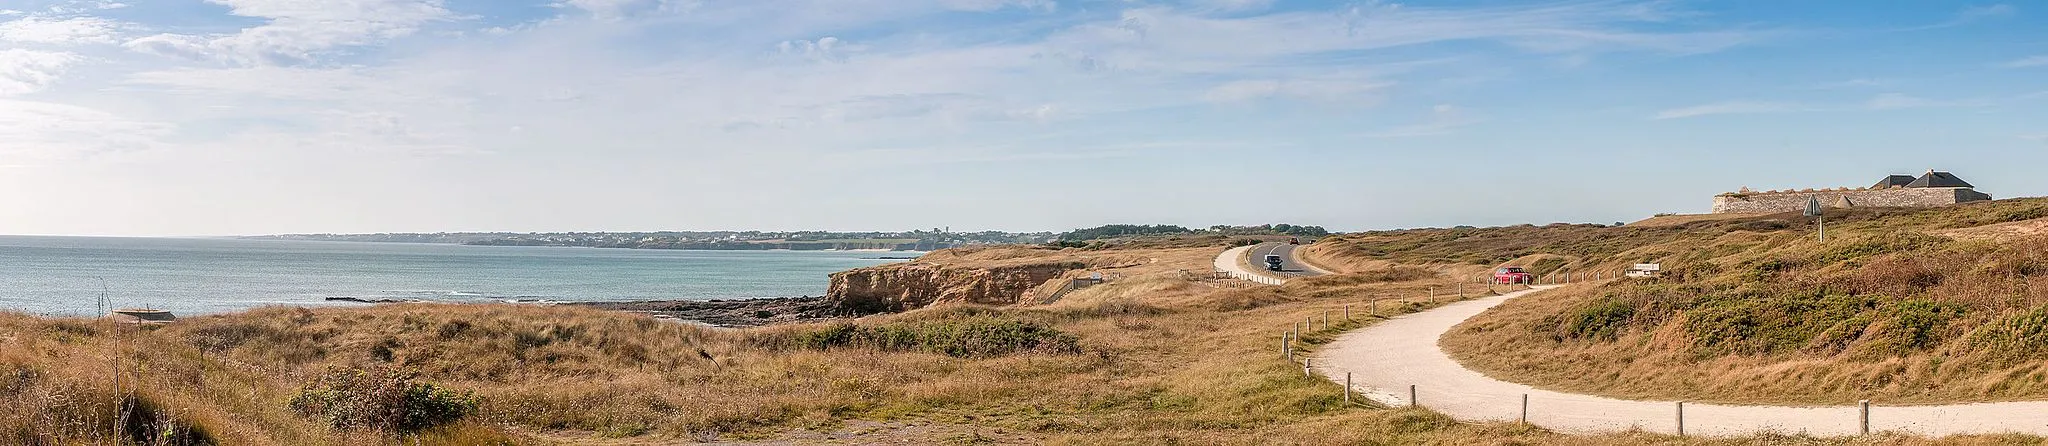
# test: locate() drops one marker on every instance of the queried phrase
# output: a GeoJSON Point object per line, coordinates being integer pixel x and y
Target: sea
{"type": "Point", "coordinates": [65, 276]}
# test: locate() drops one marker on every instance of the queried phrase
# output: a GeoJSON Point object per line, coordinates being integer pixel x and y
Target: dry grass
{"type": "Point", "coordinates": [1684, 219]}
{"type": "Point", "coordinates": [1156, 359]}
{"type": "Point", "coordinates": [1750, 314]}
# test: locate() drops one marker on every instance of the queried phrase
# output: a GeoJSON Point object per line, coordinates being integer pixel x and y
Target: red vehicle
{"type": "Point", "coordinates": [1511, 275]}
{"type": "Point", "coordinates": [1293, 241]}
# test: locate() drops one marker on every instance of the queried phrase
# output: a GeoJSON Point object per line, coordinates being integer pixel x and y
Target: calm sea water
{"type": "Point", "coordinates": [62, 275]}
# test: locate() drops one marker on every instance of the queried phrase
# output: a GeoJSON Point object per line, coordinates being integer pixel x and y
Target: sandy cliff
{"type": "Point", "coordinates": [909, 286]}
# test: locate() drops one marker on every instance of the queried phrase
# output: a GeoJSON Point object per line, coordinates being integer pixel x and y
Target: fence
{"type": "Point", "coordinates": [1559, 277]}
{"type": "Point", "coordinates": [1255, 278]}
{"type": "Point", "coordinates": [1073, 285]}
{"type": "Point", "coordinates": [1388, 398]}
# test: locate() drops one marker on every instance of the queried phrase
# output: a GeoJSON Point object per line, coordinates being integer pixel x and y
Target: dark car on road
{"type": "Point", "coordinates": [1273, 262]}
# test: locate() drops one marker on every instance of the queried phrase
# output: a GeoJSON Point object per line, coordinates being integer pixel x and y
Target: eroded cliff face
{"type": "Point", "coordinates": [909, 286]}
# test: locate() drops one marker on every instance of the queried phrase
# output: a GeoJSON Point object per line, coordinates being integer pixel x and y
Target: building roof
{"type": "Point", "coordinates": [1894, 181]}
{"type": "Point", "coordinates": [1939, 179]}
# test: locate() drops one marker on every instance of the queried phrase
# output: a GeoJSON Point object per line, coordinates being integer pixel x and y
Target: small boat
{"type": "Point", "coordinates": [145, 316]}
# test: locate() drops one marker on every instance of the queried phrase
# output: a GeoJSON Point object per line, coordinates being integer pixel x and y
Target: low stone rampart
{"type": "Point", "coordinates": [1794, 201]}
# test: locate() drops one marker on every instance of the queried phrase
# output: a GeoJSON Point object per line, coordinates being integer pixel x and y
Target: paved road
{"type": "Point", "coordinates": [1289, 266]}
{"type": "Point", "coordinates": [1386, 358]}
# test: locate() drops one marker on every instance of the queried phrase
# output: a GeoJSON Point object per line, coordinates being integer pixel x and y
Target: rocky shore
{"type": "Point", "coordinates": [736, 312]}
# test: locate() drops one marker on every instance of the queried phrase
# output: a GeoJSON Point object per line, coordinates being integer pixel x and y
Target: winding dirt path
{"type": "Point", "coordinates": [1386, 358]}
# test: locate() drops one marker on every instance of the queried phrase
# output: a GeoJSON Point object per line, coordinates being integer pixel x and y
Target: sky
{"type": "Point", "coordinates": [226, 117]}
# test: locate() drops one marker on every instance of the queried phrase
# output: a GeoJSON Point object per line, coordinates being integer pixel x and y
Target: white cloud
{"type": "Point", "coordinates": [1897, 101]}
{"type": "Point", "coordinates": [70, 31]}
{"type": "Point", "coordinates": [1970, 15]}
{"type": "Point", "coordinates": [824, 49]}
{"type": "Point", "coordinates": [1853, 83]}
{"type": "Point", "coordinates": [992, 5]}
{"type": "Point", "coordinates": [1234, 6]}
{"type": "Point", "coordinates": [362, 102]}
{"type": "Point", "coordinates": [28, 71]}
{"type": "Point", "coordinates": [1986, 12]}
{"type": "Point", "coordinates": [2035, 61]}
{"type": "Point", "coordinates": [31, 130]}
{"type": "Point", "coordinates": [298, 30]}
{"type": "Point", "coordinates": [1882, 102]}
{"type": "Point", "coordinates": [1357, 91]}
{"type": "Point", "coordinates": [1731, 107]}
{"type": "Point", "coordinates": [620, 9]}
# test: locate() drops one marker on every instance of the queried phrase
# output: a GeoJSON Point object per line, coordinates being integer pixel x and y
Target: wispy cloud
{"type": "Point", "coordinates": [1730, 108]}
{"type": "Point", "coordinates": [59, 31]}
{"type": "Point", "coordinates": [31, 130]}
{"type": "Point", "coordinates": [2024, 62]}
{"type": "Point", "coordinates": [1971, 15]}
{"type": "Point", "coordinates": [1882, 102]}
{"type": "Point", "coordinates": [1862, 82]}
{"type": "Point", "coordinates": [296, 31]}
{"type": "Point", "coordinates": [27, 71]}
{"type": "Point", "coordinates": [1897, 101]}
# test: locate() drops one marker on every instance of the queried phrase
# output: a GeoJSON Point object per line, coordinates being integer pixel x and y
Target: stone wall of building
{"type": "Point", "coordinates": [1795, 201]}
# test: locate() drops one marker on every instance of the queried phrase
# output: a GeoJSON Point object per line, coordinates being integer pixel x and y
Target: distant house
{"type": "Point", "coordinates": [1895, 181]}
{"type": "Point", "coordinates": [1935, 188]}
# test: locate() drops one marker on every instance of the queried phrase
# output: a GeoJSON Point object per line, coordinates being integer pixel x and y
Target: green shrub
{"type": "Point", "coordinates": [1747, 324]}
{"type": "Point", "coordinates": [2015, 337]}
{"type": "Point", "coordinates": [382, 399]}
{"type": "Point", "coordinates": [1892, 242]}
{"type": "Point", "coordinates": [1918, 322]}
{"type": "Point", "coordinates": [968, 337]}
{"type": "Point", "coordinates": [1604, 320]}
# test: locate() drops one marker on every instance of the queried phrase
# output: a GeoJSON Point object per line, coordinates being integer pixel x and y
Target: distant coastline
{"type": "Point", "coordinates": [913, 241]}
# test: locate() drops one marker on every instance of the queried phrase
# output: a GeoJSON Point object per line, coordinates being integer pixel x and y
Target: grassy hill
{"type": "Point", "coordinates": [1899, 305]}
{"type": "Point", "coordinates": [1165, 355]}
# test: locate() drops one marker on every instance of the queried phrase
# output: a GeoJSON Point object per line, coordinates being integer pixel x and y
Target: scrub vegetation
{"type": "Point", "coordinates": [1163, 355]}
{"type": "Point", "coordinates": [1898, 306]}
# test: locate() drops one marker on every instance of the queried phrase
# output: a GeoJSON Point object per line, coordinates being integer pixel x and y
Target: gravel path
{"type": "Point", "coordinates": [1386, 358]}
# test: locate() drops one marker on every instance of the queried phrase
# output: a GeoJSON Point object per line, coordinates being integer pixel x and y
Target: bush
{"type": "Point", "coordinates": [2018, 337]}
{"type": "Point", "coordinates": [1604, 320]}
{"type": "Point", "coordinates": [970, 337]}
{"type": "Point", "coordinates": [382, 399]}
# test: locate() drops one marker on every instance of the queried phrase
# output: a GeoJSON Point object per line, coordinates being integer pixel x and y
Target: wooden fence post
{"type": "Point", "coordinates": [1307, 365]}
{"type": "Point", "coordinates": [1525, 409]}
{"type": "Point", "coordinates": [1412, 402]}
{"type": "Point", "coordinates": [1681, 418]}
{"type": "Point", "coordinates": [1347, 387]}
{"type": "Point", "coordinates": [1287, 345]}
{"type": "Point", "coordinates": [1865, 418]}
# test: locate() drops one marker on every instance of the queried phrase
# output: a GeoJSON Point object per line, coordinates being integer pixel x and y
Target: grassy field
{"type": "Point", "coordinates": [1899, 306]}
{"type": "Point", "coordinates": [1158, 357]}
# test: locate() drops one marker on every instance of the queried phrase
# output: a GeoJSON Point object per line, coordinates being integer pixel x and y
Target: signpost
{"type": "Point", "coordinates": [1813, 209]}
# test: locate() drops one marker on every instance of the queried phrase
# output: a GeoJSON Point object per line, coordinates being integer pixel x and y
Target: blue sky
{"type": "Point", "coordinates": [204, 117]}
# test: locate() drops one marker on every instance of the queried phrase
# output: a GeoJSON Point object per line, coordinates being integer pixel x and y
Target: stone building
{"type": "Point", "coordinates": [1932, 189]}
